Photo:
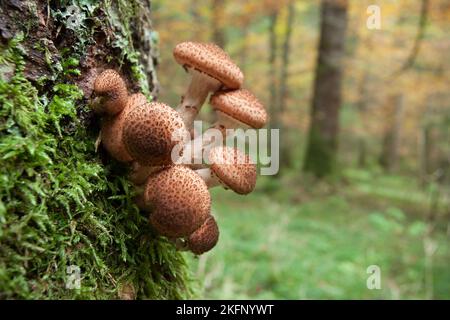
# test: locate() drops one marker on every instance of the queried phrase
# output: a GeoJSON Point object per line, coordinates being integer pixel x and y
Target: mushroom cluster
{"type": "Point", "coordinates": [145, 134]}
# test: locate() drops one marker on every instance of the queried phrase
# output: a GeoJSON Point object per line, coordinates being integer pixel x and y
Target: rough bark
{"type": "Point", "coordinates": [323, 133]}
{"type": "Point", "coordinates": [62, 203]}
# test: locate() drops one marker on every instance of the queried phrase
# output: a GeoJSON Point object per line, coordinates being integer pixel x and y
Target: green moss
{"type": "Point", "coordinates": [90, 17]}
{"type": "Point", "coordinates": [59, 206]}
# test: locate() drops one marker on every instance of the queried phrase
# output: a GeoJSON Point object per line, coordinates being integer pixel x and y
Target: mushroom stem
{"type": "Point", "coordinates": [195, 149]}
{"type": "Point", "coordinates": [179, 243]}
{"type": "Point", "coordinates": [139, 173]}
{"type": "Point", "coordinates": [209, 177]}
{"type": "Point", "coordinates": [226, 121]}
{"type": "Point", "coordinates": [193, 99]}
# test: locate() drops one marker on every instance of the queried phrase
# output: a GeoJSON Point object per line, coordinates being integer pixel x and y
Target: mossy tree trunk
{"type": "Point", "coordinates": [66, 209]}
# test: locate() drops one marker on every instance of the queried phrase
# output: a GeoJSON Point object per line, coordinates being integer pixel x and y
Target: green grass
{"type": "Point", "coordinates": [305, 240]}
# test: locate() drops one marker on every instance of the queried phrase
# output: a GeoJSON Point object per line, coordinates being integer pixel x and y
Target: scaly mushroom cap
{"type": "Point", "coordinates": [112, 129]}
{"type": "Point", "coordinates": [210, 59]}
{"type": "Point", "coordinates": [241, 105]}
{"type": "Point", "coordinates": [111, 86]}
{"type": "Point", "coordinates": [233, 169]}
{"type": "Point", "coordinates": [151, 131]}
{"type": "Point", "coordinates": [180, 201]}
{"type": "Point", "coordinates": [204, 238]}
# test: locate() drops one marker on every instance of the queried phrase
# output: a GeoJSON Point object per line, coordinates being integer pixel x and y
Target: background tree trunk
{"type": "Point", "coordinates": [272, 76]}
{"type": "Point", "coordinates": [391, 141]}
{"type": "Point", "coordinates": [243, 52]}
{"type": "Point", "coordinates": [218, 34]}
{"type": "Point", "coordinates": [273, 114]}
{"type": "Point", "coordinates": [323, 133]}
{"type": "Point", "coordinates": [62, 203]}
{"type": "Point", "coordinates": [218, 23]}
{"type": "Point", "coordinates": [363, 99]}
{"type": "Point", "coordinates": [285, 145]}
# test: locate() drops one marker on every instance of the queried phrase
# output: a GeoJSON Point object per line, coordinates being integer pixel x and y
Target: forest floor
{"type": "Point", "coordinates": [292, 239]}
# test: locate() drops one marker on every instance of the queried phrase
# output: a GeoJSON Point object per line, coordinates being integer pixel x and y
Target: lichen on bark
{"type": "Point", "coordinates": [62, 203]}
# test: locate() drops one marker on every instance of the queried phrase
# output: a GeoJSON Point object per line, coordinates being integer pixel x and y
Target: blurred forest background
{"type": "Point", "coordinates": [365, 152]}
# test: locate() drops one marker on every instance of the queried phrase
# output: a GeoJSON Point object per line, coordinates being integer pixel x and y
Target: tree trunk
{"type": "Point", "coordinates": [285, 146]}
{"type": "Point", "coordinates": [323, 133]}
{"type": "Point", "coordinates": [218, 22]}
{"type": "Point", "coordinates": [197, 20]}
{"type": "Point", "coordinates": [69, 227]}
{"type": "Point", "coordinates": [362, 108]}
{"type": "Point", "coordinates": [272, 76]}
{"type": "Point", "coordinates": [218, 35]}
{"type": "Point", "coordinates": [243, 54]}
{"type": "Point", "coordinates": [391, 141]}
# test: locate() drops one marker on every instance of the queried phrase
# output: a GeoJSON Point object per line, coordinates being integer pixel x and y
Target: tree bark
{"type": "Point", "coordinates": [324, 128]}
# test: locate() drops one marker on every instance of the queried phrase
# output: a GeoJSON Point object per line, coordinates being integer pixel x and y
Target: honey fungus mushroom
{"type": "Point", "coordinates": [179, 200]}
{"type": "Point", "coordinates": [112, 89]}
{"type": "Point", "coordinates": [151, 131]}
{"type": "Point", "coordinates": [112, 129]}
{"type": "Point", "coordinates": [210, 68]}
{"type": "Point", "coordinates": [234, 109]}
{"type": "Point", "coordinates": [230, 168]}
{"type": "Point", "coordinates": [204, 238]}
{"type": "Point", "coordinates": [238, 109]}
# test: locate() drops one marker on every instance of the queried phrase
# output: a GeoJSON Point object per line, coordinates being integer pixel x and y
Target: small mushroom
{"type": "Point", "coordinates": [112, 129]}
{"type": "Point", "coordinates": [204, 238]}
{"type": "Point", "coordinates": [179, 200]}
{"type": "Point", "coordinates": [210, 68]}
{"type": "Point", "coordinates": [151, 131]}
{"type": "Point", "coordinates": [110, 86]}
{"type": "Point", "coordinates": [238, 109]}
{"type": "Point", "coordinates": [230, 168]}
{"type": "Point", "coordinates": [234, 109]}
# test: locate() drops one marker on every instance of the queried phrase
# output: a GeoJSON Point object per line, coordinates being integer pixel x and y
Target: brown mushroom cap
{"type": "Point", "coordinates": [204, 238]}
{"type": "Point", "coordinates": [112, 128]}
{"type": "Point", "coordinates": [180, 200]}
{"type": "Point", "coordinates": [233, 168]}
{"type": "Point", "coordinates": [210, 59]}
{"type": "Point", "coordinates": [110, 85]}
{"type": "Point", "coordinates": [241, 105]}
{"type": "Point", "coordinates": [151, 131]}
